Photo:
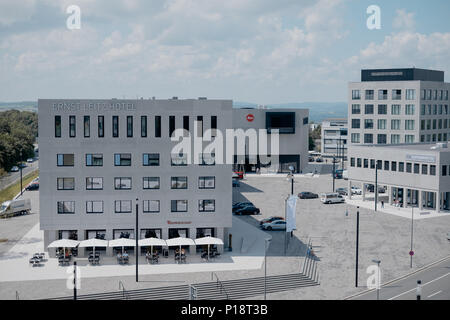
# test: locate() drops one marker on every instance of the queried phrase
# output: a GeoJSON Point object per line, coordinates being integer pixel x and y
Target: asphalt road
{"type": "Point", "coordinates": [12, 177]}
{"type": "Point", "coordinates": [435, 285]}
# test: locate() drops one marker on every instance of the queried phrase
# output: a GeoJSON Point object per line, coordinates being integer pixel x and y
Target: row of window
{"type": "Point", "coordinates": [129, 126]}
{"type": "Point", "coordinates": [383, 109]}
{"type": "Point", "coordinates": [395, 166]}
{"type": "Point", "coordinates": [125, 206]}
{"type": "Point", "coordinates": [381, 138]}
{"type": "Point", "coordinates": [124, 159]}
{"type": "Point", "coordinates": [432, 124]}
{"type": "Point", "coordinates": [435, 109]}
{"type": "Point", "coordinates": [125, 183]}
{"type": "Point", "coordinates": [382, 124]}
{"type": "Point", "coordinates": [396, 94]}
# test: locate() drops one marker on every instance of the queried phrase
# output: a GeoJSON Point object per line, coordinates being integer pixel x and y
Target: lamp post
{"type": "Point", "coordinates": [378, 262]}
{"type": "Point", "coordinates": [412, 233]}
{"type": "Point", "coordinates": [137, 240]}
{"type": "Point", "coordinates": [74, 280]}
{"type": "Point", "coordinates": [376, 185]}
{"type": "Point", "coordinates": [419, 290]}
{"type": "Point", "coordinates": [267, 241]}
{"type": "Point", "coordinates": [334, 171]}
{"type": "Point", "coordinates": [20, 166]}
{"type": "Point", "coordinates": [357, 246]}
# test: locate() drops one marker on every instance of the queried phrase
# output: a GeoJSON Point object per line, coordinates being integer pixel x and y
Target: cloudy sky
{"type": "Point", "coordinates": [261, 51]}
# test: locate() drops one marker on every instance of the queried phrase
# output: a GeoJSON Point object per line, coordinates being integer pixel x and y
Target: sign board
{"type": "Point", "coordinates": [421, 158]}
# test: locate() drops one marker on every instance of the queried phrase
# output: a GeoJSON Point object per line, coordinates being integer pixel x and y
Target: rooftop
{"type": "Point", "coordinates": [402, 74]}
{"type": "Point", "coordinates": [440, 146]}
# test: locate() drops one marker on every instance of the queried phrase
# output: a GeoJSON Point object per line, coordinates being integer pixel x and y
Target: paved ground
{"type": "Point", "coordinates": [383, 236]}
{"type": "Point", "coordinates": [12, 177]}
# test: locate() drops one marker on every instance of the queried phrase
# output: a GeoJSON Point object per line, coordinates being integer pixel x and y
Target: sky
{"type": "Point", "coordinates": [260, 51]}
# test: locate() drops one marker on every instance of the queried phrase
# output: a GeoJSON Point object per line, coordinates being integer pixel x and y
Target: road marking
{"type": "Point", "coordinates": [432, 295]}
{"type": "Point", "coordinates": [422, 286]}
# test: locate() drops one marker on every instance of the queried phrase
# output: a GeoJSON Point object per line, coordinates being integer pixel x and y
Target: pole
{"type": "Point", "coordinates": [285, 233]}
{"type": "Point", "coordinates": [334, 173]}
{"type": "Point", "coordinates": [292, 184]}
{"type": "Point", "coordinates": [379, 282]}
{"type": "Point", "coordinates": [74, 280]}
{"type": "Point", "coordinates": [419, 290]}
{"type": "Point", "coordinates": [20, 165]}
{"type": "Point", "coordinates": [376, 186]}
{"type": "Point", "coordinates": [137, 241]}
{"type": "Point", "coordinates": [357, 246]}
{"type": "Point", "coordinates": [265, 269]}
{"type": "Point", "coordinates": [412, 232]}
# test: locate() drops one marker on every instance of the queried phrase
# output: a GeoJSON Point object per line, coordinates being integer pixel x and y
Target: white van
{"type": "Point", "coordinates": [331, 198]}
{"type": "Point", "coordinates": [15, 207]}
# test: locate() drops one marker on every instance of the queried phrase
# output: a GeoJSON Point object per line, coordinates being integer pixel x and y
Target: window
{"type": "Point", "coordinates": [171, 125]}
{"type": "Point", "coordinates": [381, 124]}
{"type": "Point", "coordinates": [122, 159]}
{"type": "Point", "coordinates": [410, 94]}
{"type": "Point", "coordinates": [395, 138]}
{"type": "Point", "coordinates": [115, 126]}
{"type": "Point", "coordinates": [186, 125]}
{"type": "Point", "coordinates": [179, 183]}
{"type": "Point", "coordinates": [151, 183]}
{"type": "Point", "coordinates": [143, 126]}
{"type": "Point", "coordinates": [94, 160]}
{"type": "Point", "coordinates": [94, 183]}
{"type": "Point", "coordinates": [66, 207]}
{"type": "Point", "coordinates": [356, 108]}
{"type": "Point", "coordinates": [358, 162]}
{"type": "Point", "coordinates": [94, 207]}
{"type": "Point", "coordinates": [206, 205]}
{"type": "Point", "coordinates": [424, 169]}
{"type": "Point", "coordinates": [369, 95]}
{"type": "Point", "coordinates": [214, 125]}
{"type": "Point", "coordinates": [129, 126]}
{"type": "Point", "coordinates": [416, 168]}
{"type": "Point", "coordinates": [368, 124]}
{"type": "Point", "coordinates": [409, 138]}
{"type": "Point", "coordinates": [394, 166]}
{"type": "Point", "coordinates": [368, 109]}
{"type": "Point", "coordinates": [207, 159]}
{"type": "Point", "coordinates": [305, 120]}
{"type": "Point", "coordinates": [150, 206]}
{"type": "Point", "coordinates": [409, 124]}
{"type": "Point", "coordinates": [72, 126]}
{"type": "Point", "coordinates": [122, 206]}
{"type": "Point", "coordinates": [366, 163]}
{"type": "Point", "coordinates": [372, 163]}
{"type": "Point", "coordinates": [157, 126]}
{"type": "Point", "coordinates": [179, 205]}
{"type": "Point", "coordinates": [409, 167]}
{"type": "Point", "coordinates": [352, 162]}
{"type": "Point", "coordinates": [422, 124]}
{"type": "Point", "coordinates": [355, 138]}
{"type": "Point", "coordinates": [57, 126]}
{"type": "Point", "coordinates": [178, 159]}
{"type": "Point", "coordinates": [200, 126]}
{"type": "Point", "coordinates": [422, 110]}
{"type": "Point", "coordinates": [382, 94]}
{"type": "Point", "coordinates": [206, 182]}
{"type": "Point", "coordinates": [444, 170]}
{"type": "Point", "coordinates": [401, 166]}
{"type": "Point", "coordinates": [122, 183]}
{"type": "Point", "coordinates": [396, 94]}
{"type": "Point", "coordinates": [428, 94]}
{"type": "Point", "coordinates": [150, 159]}
{"type": "Point", "coordinates": [65, 183]}
{"type": "Point", "coordinates": [381, 138]}
{"type": "Point", "coordinates": [395, 109]}
{"type": "Point", "coordinates": [87, 126]}
{"type": "Point", "coordinates": [101, 126]}
{"type": "Point", "coordinates": [382, 109]}
{"type": "Point", "coordinates": [409, 109]}
{"type": "Point", "coordinates": [395, 124]}
{"type": "Point", "coordinates": [356, 123]}
{"type": "Point", "coordinates": [386, 166]}
{"type": "Point", "coordinates": [65, 160]}
{"type": "Point", "coordinates": [368, 138]}
{"type": "Point", "coordinates": [356, 95]}
{"type": "Point", "coordinates": [423, 94]}
{"type": "Point", "coordinates": [432, 170]}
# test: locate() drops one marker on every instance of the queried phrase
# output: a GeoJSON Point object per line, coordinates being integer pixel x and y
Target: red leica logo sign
{"type": "Point", "coordinates": [250, 117]}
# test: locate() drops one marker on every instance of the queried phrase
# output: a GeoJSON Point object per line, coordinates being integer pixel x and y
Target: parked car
{"type": "Point", "coordinates": [30, 160]}
{"type": "Point", "coordinates": [308, 195]}
{"type": "Point", "coordinates": [328, 198]}
{"type": "Point", "coordinates": [319, 160]}
{"type": "Point", "coordinates": [238, 174]}
{"type": "Point", "coordinates": [371, 188]}
{"type": "Point", "coordinates": [236, 183]}
{"type": "Point", "coordinates": [32, 186]}
{"type": "Point", "coordinates": [22, 165]}
{"type": "Point", "coordinates": [342, 191]}
{"type": "Point", "coordinates": [15, 169]}
{"type": "Point", "coordinates": [15, 207]}
{"type": "Point", "coordinates": [356, 190]}
{"type": "Point", "coordinates": [338, 174]}
{"type": "Point", "coordinates": [275, 225]}
{"type": "Point", "coordinates": [239, 205]}
{"type": "Point", "coordinates": [311, 159]}
{"type": "Point", "coordinates": [269, 220]}
{"type": "Point", "coordinates": [248, 210]}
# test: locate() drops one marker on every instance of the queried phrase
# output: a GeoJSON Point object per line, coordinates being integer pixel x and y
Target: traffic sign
{"type": "Point", "coordinates": [411, 253]}
{"type": "Point", "coordinates": [250, 117]}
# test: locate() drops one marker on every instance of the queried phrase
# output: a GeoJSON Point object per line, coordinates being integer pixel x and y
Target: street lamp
{"type": "Point", "coordinates": [357, 246]}
{"type": "Point", "coordinates": [291, 168]}
{"type": "Point", "coordinates": [137, 241]}
{"type": "Point", "coordinates": [411, 252]}
{"type": "Point", "coordinates": [378, 262]}
{"type": "Point", "coordinates": [267, 241]}
{"type": "Point", "coordinates": [20, 166]}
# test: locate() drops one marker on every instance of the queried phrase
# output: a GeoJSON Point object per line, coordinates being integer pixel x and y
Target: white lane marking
{"type": "Point", "coordinates": [432, 295]}
{"type": "Point", "coordinates": [422, 286]}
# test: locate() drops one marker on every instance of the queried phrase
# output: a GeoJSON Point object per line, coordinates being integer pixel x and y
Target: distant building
{"type": "Point", "coordinates": [334, 137]}
{"type": "Point", "coordinates": [393, 106]}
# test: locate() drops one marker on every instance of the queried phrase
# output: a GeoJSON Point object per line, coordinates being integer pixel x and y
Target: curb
{"type": "Point", "coordinates": [399, 278]}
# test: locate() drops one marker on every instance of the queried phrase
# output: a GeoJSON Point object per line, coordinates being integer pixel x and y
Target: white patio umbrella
{"type": "Point", "coordinates": [180, 241]}
{"type": "Point", "coordinates": [64, 243]}
{"type": "Point", "coordinates": [208, 241]}
{"type": "Point", "coordinates": [122, 242]}
{"type": "Point", "coordinates": [93, 242]}
{"type": "Point", "coordinates": [152, 242]}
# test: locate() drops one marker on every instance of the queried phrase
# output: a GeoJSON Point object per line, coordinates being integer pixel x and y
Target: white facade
{"type": "Point", "coordinates": [409, 109]}
{"type": "Point", "coordinates": [89, 184]}
{"type": "Point", "coordinates": [334, 137]}
{"type": "Point", "coordinates": [415, 174]}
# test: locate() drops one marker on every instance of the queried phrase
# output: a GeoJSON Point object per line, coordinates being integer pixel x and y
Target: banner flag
{"type": "Point", "coordinates": [291, 204]}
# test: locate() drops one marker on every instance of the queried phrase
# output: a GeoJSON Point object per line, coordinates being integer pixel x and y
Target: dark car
{"type": "Point", "coordinates": [32, 186]}
{"type": "Point", "coordinates": [307, 195]}
{"type": "Point", "coordinates": [248, 210]}
{"type": "Point", "coordinates": [319, 160]}
{"type": "Point", "coordinates": [239, 205]}
{"type": "Point", "coordinates": [269, 220]}
{"type": "Point", "coordinates": [342, 191]}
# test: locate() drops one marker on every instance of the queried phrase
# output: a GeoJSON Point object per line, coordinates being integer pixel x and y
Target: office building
{"type": "Point", "coordinates": [334, 138]}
